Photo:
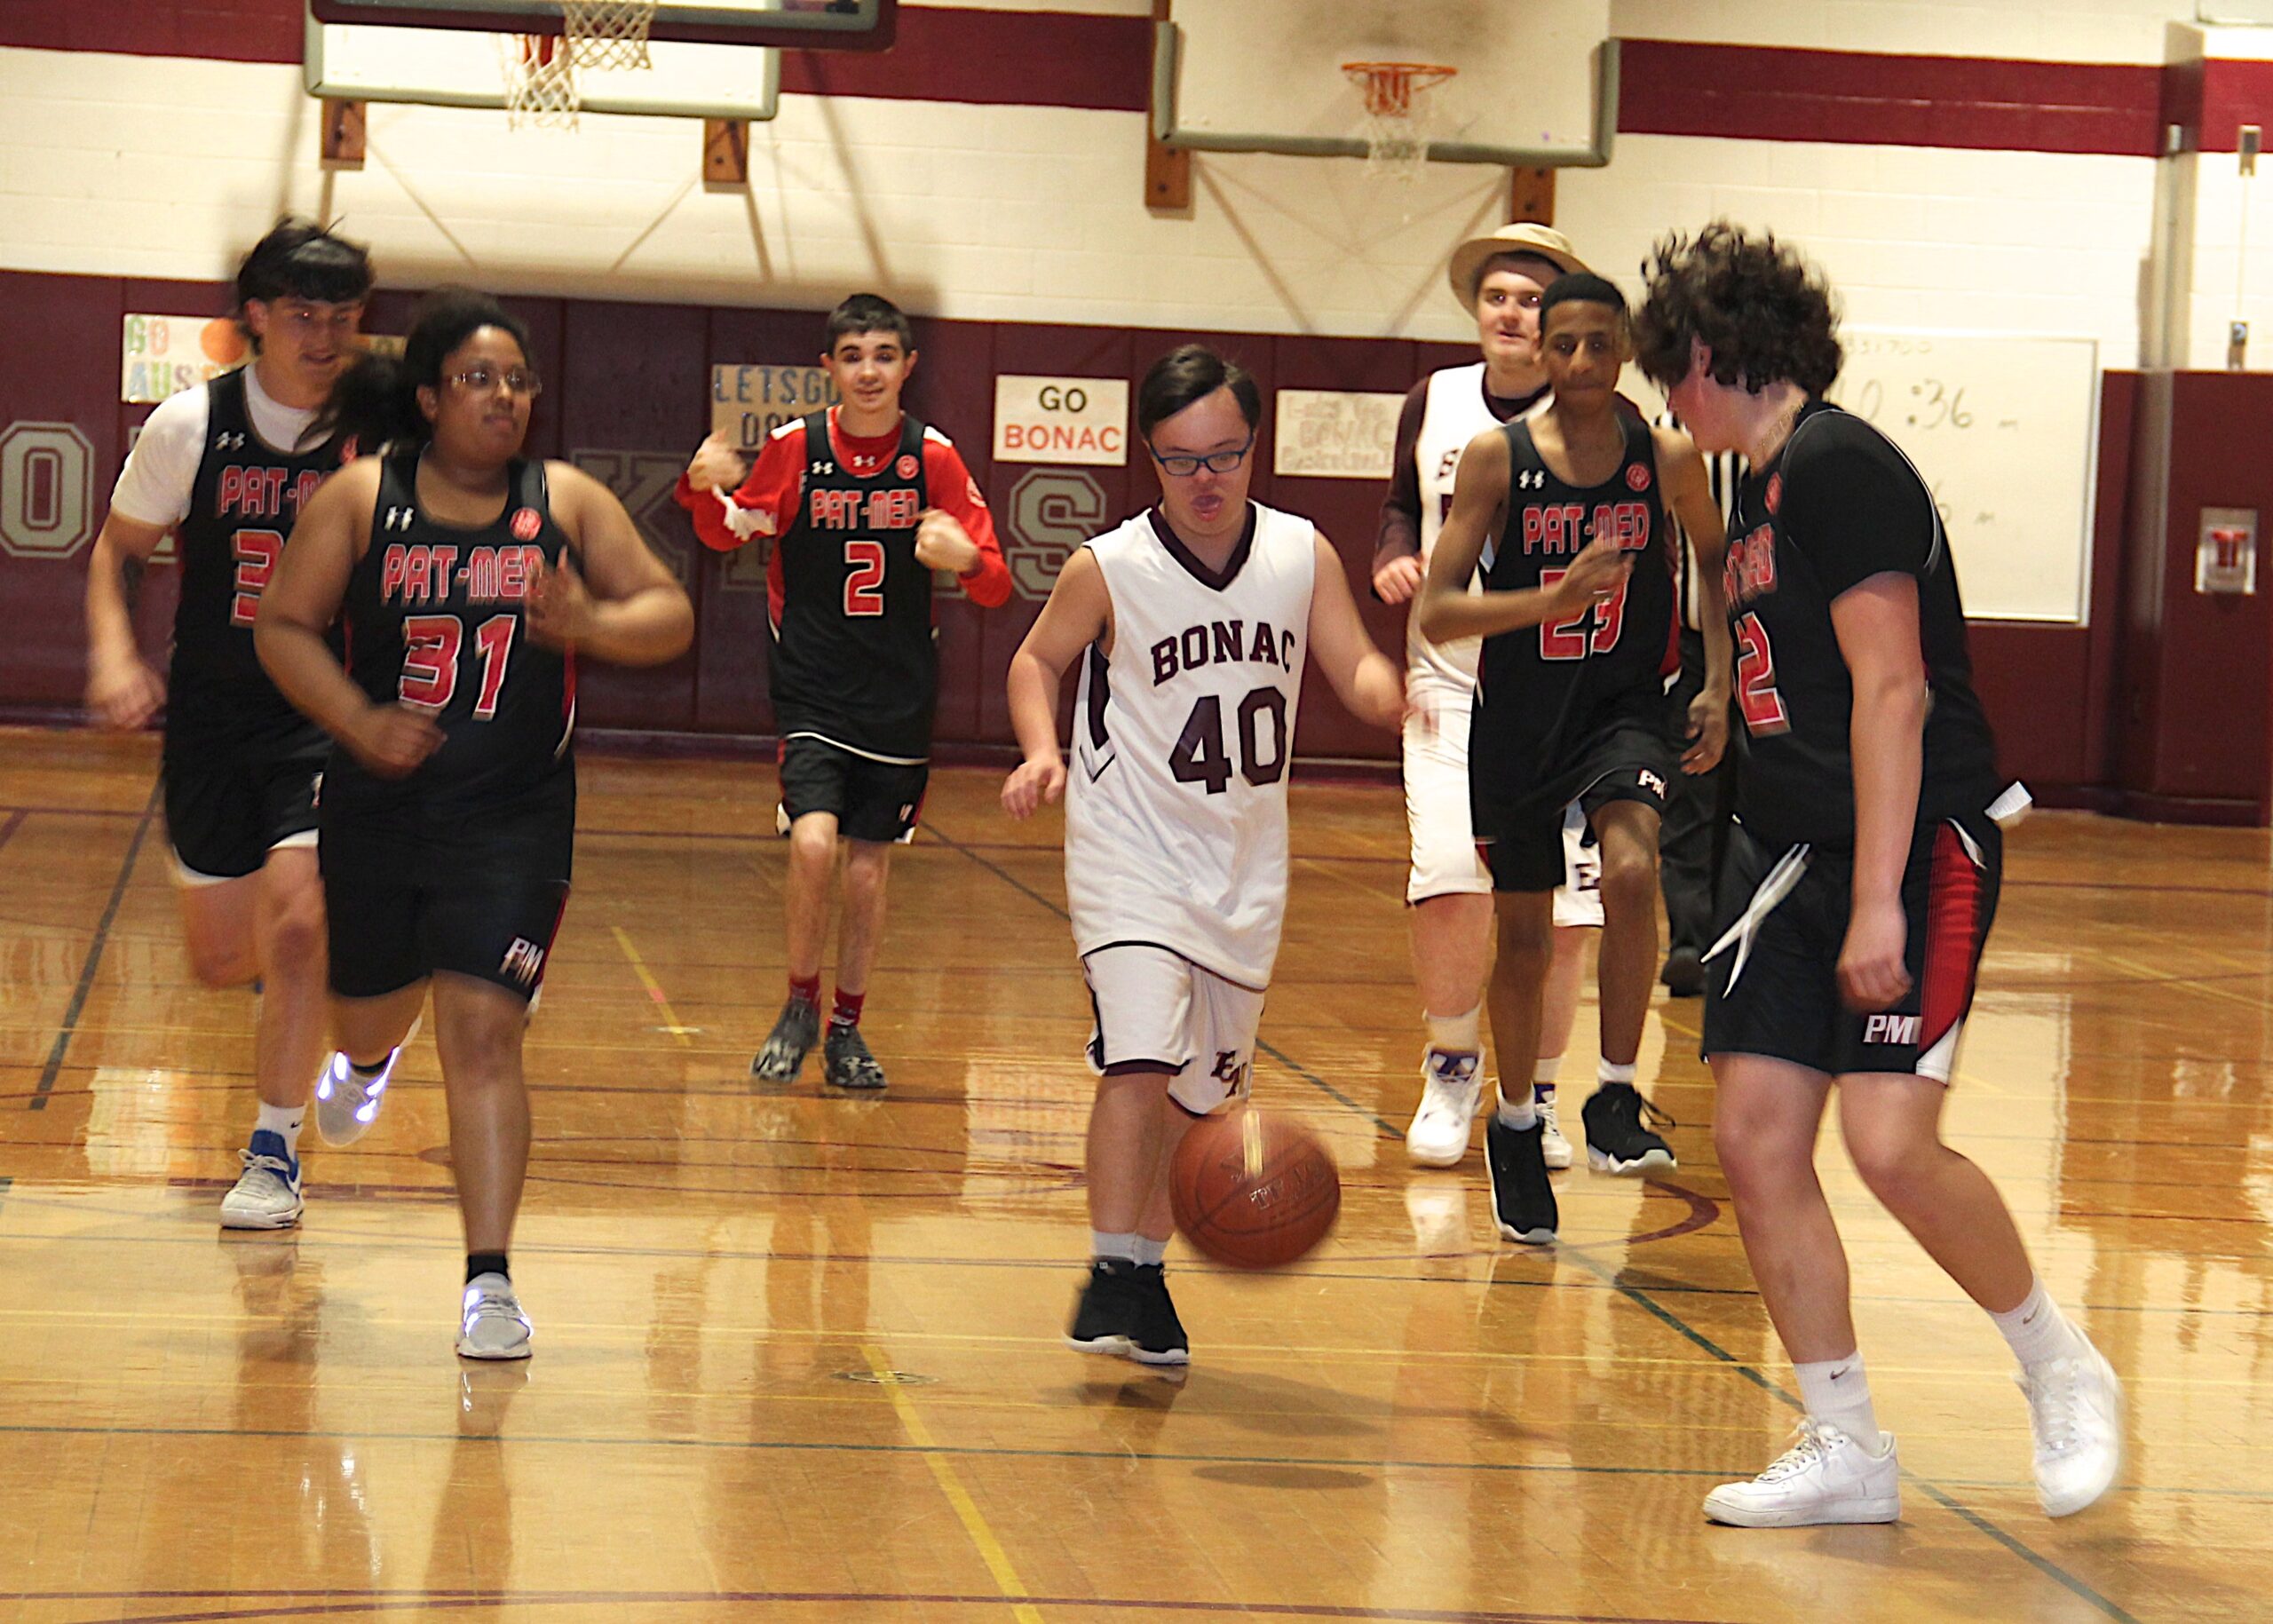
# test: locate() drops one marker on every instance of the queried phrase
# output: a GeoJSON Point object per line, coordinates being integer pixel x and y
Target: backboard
{"type": "Point", "coordinates": [719, 60]}
{"type": "Point", "coordinates": [1536, 82]}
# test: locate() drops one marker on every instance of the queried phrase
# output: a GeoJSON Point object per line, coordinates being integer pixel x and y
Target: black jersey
{"type": "Point", "coordinates": [1541, 691]}
{"type": "Point", "coordinates": [433, 617]}
{"type": "Point", "coordinates": [1838, 504]}
{"type": "Point", "coordinates": [247, 495]}
{"type": "Point", "coordinates": [854, 662]}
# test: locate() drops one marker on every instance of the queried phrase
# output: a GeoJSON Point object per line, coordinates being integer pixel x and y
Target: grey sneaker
{"type": "Point", "coordinates": [793, 1036]}
{"type": "Point", "coordinates": [491, 1324]}
{"type": "Point", "coordinates": [849, 1063]}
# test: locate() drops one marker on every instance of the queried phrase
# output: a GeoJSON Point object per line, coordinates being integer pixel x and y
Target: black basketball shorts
{"type": "Point", "coordinates": [401, 908]}
{"type": "Point", "coordinates": [1774, 989]}
{"type": "Point", "coordinates": [872, 800]}
{"type": "Point", "coordinates": [227, 808]}
{"type": "Point", "coordinates": [1520, 838]}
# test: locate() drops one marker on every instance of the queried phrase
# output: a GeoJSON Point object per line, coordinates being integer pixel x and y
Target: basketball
{"type": "Point", "coordinates": [1254, 1190]}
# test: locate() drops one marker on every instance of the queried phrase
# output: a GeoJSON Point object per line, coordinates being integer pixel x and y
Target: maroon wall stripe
{"type": "Point", "coordinates": [1668, 87]}
{"type": "Point", "coordinates": [1762, 93]}
{"type": "Point", "coordinates": [1059, 59]}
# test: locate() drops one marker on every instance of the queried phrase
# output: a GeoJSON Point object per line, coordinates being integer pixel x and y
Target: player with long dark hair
{"type": "Point", "coordinates": [470, 580]}
{"type": "Point", "coordinates": [1860, 885]}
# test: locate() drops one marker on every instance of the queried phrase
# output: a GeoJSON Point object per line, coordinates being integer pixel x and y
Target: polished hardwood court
{"type": "Point", "coordinates": [798, 1358]}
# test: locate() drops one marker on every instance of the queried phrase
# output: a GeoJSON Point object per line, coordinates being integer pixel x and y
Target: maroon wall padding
{"type": "Point", "coordinates": [2194, 687]}
{"type": "Point", "coordinates": [627, 396]}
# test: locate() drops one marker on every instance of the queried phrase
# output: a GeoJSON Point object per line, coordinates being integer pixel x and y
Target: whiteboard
{"type": "Point", "coordinates": [2005, 429]}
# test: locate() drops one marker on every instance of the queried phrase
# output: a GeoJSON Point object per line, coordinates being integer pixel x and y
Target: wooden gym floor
{"type": "Point", "coordinates": [798, 1358]}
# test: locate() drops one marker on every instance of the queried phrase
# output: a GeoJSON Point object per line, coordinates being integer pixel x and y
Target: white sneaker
{"type": "Point", "coordinates": [1553, 1149]}
{"type": "Point", "coordinates": [348, 1101]}
{"type": "Point", "coordinates": [492, 1325]}
{"type": "Point", "coordinates": [2075, 1409]}
{"type": "Point", "coordinates": [1452, 1084]}
{"type": "Point", "coordinates": [267, 1194]}
{"type": "Point", "coordinates": [1826, 1477]}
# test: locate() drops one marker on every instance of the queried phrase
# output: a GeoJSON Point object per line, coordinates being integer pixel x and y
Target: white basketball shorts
{"type": "Point", "coordinates": [1444, 862]}
{"type": "Point", "coordinates": [1158, 1010]}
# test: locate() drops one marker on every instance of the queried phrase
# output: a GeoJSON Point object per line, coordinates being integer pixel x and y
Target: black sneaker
{"type": "Point", "coordinates": [1616, 1140]}
{"type": "Point", "coordinates": [1106, 1314]}
{"type": "Point", "coordinates": [1160, 1338]}
{"type": "Point", "coordinates": [1522, 1200]}
{"type": "Point", "coordinates": [847, 1063]}
{"type": "Point", "coordinates": [1683, 975]}
{"type": "Point", "coordinates": [788, 1044]}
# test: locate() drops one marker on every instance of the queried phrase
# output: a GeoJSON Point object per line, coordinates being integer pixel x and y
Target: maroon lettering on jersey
{"type": "Point", "coordinates": [1554, 526]}
{"type": "Point", "coordinates": [890, 509]}
{"type": "Point", "coordinates": [501, 574]}
{"type": "Point", "coordinates": [1220, 643]}
{"type": "Point", "coordinates": [416, 573]}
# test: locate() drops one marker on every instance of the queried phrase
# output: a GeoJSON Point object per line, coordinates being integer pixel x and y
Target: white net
{"type": "Point", "coordinates": [1397, 114]}
{"type": "Point", "coordinates": [596, 37]}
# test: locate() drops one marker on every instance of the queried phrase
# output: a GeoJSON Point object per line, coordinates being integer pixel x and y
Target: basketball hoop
{"type": "Point", "coordinates": [1397, 112]}
{"type": "Point", "coordinates": [596, 37]}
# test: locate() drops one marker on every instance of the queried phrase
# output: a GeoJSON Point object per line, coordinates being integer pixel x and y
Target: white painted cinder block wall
{"type": "Point", "coordinates": [165, 168]}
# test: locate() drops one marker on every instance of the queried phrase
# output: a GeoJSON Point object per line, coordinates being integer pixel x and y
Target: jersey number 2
{"type": "Point", "coordinates": [1569, 639]}
{"type": "Point", "coordinates": [1756, 696]}
{"type": "Point", "coordinates": [256, 551]}
{"type": "Point", "coordinates": [429, 660]}
{"type": "Point", "coordinates": [865, 561]}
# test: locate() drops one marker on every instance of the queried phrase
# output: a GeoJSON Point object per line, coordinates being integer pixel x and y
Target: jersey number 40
{"type": "Point", "coordinates": [1201, 756]}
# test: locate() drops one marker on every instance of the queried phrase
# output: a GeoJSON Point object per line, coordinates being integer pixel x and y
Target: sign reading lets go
{"type": "Point", "coordinates": [1061, 420]}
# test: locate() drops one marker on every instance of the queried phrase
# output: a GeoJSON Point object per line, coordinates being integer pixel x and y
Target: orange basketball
{"type": "Point", "coordinates": [1254, 1190]}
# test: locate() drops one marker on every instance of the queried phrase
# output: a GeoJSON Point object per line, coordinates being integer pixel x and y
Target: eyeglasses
{"type": "Point", "coordinates": [1181, 465]}
{"type": "Point", "coordinates": [481, 381]}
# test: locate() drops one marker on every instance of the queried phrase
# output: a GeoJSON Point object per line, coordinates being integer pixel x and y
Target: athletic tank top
{"type": "Point", "coordinates": [247, 497]}
{"type": "Point", "coordinates": [1175, 812]}
{"type": "Point", "coordinates": [1539, 685]}
{"type": "Point", "coordinates": [854, 662]}
{"type": "Point", "coordinates": [1456, 413]}
{"type": "Point", "coordinates": [433, 616]}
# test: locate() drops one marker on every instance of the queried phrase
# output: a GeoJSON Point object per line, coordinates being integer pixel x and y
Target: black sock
{"type": "Point", "coordinates": [486, 1262]}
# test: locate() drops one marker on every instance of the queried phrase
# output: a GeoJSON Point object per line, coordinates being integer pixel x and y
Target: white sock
{"type": "Point", "coordinates": [1147, 1250]}
{"type": "Point", "coordinates": [1606, 1072]}
{"type": "Point", "coordinates": [2037, 1330]}
{"type": "Point", "coordinates": [283, 1120]}
{"type": "Point", "coordinates": [1102, 1244]}
{"type": "Point", "coordinates": [1543, 1076]}
{"type": "Point", "coordinates": [1517, 1115]}
{"type": "Point", "coordinates": [1456, 1035]}
{"type": "Point", "coordinates": [1836, 1390]}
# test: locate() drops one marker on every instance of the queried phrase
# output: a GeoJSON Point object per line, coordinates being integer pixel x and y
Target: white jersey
{"type": "Point", "coordinates": [1176, 810]}
{"type": "Point", "coordinates": [1456, 413]}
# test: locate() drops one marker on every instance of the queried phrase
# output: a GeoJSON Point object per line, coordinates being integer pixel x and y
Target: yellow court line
{"type": "Point", "coordinates": [671, 1023]}
{"type": "Point", "coordinates": [974, 1522]}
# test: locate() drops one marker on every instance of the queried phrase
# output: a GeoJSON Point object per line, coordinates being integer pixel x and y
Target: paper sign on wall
{"type": "Point", "coordinates": [163, 355]}
{"type": "Point", "coordinates": [1332, 434]}
{"type": "Point", "coordinates": [1061, 420]}
{"type": "Point", "coordinates": [748, 403]}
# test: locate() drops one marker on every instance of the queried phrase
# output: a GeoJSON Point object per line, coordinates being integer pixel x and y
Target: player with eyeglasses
{"type": "Point", "coordinates": [1192, 623]}
{"type": "Point", "coordinates": [470, 580]}
{"type": "Point", "coordinates": [224, 468]}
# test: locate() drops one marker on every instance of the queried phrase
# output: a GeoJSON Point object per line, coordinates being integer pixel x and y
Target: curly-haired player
{"type": "Point", "coordinates": [1860, 883]}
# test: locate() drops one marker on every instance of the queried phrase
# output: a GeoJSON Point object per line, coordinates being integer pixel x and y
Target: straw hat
{"type": "Point", "coordinates": [1469, 259]}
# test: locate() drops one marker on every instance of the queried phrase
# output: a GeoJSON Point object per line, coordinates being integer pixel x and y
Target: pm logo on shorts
{"type": "Point", "coordinates": [1900, 1031]}
{"type": "Point", "coordinates": [523, 960]}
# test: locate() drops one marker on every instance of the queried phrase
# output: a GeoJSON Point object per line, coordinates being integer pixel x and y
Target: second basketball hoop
{"type": "Point", "coordinates": [1397, 112]}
